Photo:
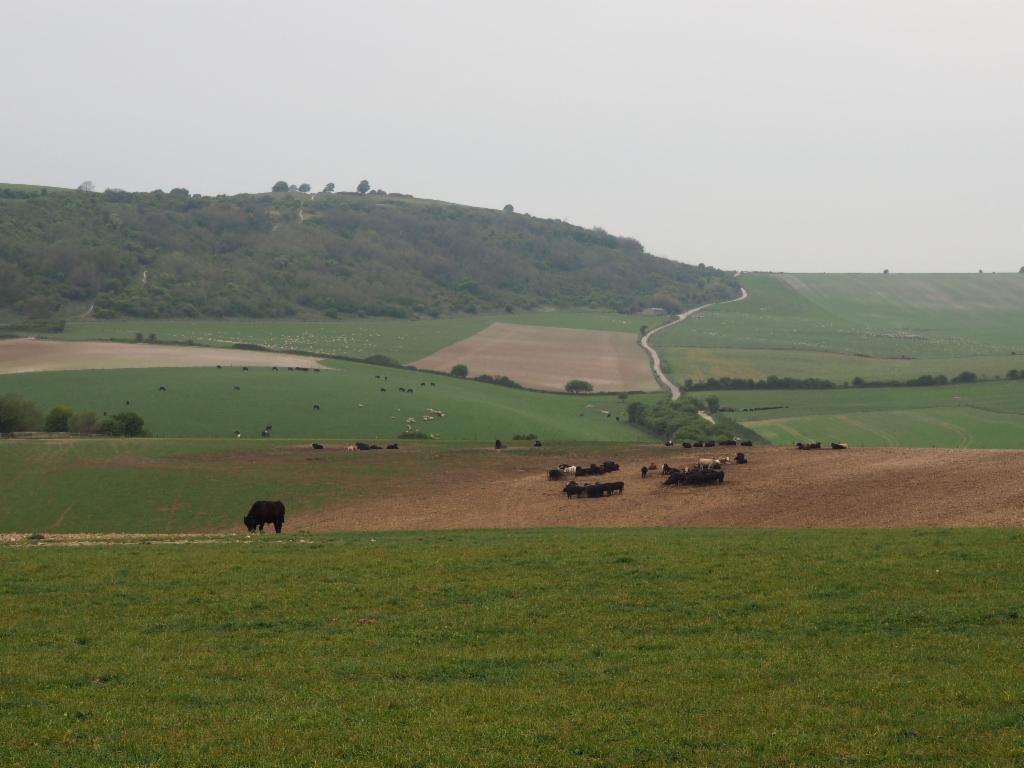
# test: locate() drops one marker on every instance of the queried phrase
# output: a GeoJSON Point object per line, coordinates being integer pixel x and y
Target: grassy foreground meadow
{"type": "Point", "coordinates": [554, 648]}
{"type": "Point", "coordinates": [203, 402]}
{"type": "Point", "coordinates": [981, 415]}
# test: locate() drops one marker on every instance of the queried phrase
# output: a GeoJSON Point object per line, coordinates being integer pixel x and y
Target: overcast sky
{"type": "Point", "coordinates": [799, 135]}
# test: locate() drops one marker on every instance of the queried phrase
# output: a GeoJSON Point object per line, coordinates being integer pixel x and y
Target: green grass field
{"type": "Point", "coordinates": [703, 363]}
{"type": "Point", "coordinates": [404, 340]}
{"type": "Point", "coordinates": [920, 316]}
{"type": "Point", "coordinates": [202, 402]}
{"type": "Point", "coordinates": [983, 415]}
{"type": "Point", "coordinates": [173, 486]}
{"type": "Point", "coordinates": [553, 648]}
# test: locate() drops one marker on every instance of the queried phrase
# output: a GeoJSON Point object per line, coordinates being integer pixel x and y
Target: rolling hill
{"type": "Point", "coordinates": [288, 254]}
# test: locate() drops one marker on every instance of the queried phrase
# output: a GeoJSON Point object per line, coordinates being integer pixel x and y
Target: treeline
{"type": "Point", "coordinates": [787, 382]}
{"type": "Point", "coordinates": [20, 415]}
{"type": "Point", "coordinates": [680, 420]}
{"type": "Point", "coordinates": [175, 254]}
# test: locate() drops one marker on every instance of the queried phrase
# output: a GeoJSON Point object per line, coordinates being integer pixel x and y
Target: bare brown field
{"type": "Point", "coordinates": [546, 358]}
{"type": "Point", "coordinates": [779, 488]}
{"type": "Point", "coordinates": [30, 355]}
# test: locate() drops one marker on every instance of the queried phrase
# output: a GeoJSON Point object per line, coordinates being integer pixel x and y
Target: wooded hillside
{"type": "Point", "coordinates": [281, 254]}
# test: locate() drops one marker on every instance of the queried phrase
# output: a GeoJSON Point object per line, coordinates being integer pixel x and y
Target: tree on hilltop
{"type": "Point", "coordinates": [86, 186]}
{"type": "Point", "coordinates": [329, 187]}
{"type": "Point", "coordinates": [460, 371]}
{"type": "Point", "coordinates": [280, 186]}
{"type": "Point", "coordinates": [304, 187]}
{"type": "Point", "coordinates": [364, 187]}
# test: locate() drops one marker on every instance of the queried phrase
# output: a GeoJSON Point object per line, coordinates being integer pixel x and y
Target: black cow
{"type": "Point", "coordinates": [597, 490]}
{"type": "Point", "coordinates": [497, 445]}
{"type": "Point", "coordinates": [245, 368]}
{"type": "Point", "coordinates": [643, 471]}
{"type": "Point", "coordinates": [392, 446]}
{"type": "Point", "coordinates": [263, 512]}
{"type": "Point", "coordinates": [808, 446]}
{"type": "Point", "coordinates": [746, 443]}
{"type": "Point", "coordinates": [367, 447]}
{"type": "Point", "coordinates": [273, 367]}
{"type": "Point", "coordinates": [316, 406]}
{"type": "Point", "coordinates": [727, 442]}
{"type": "Point", "coordinates": [537, 444]}
{"type": "Point", "coordinates": [574, 489]}
{"type": "Point", "coordinates": [741, 458]}
{"type": "Point", "coordinates": [318, 446]}
{"type": "Point", "coordinates": [163, 388]}
{"type": "Point", "coordinates": [687, 445]}
{"type": "Point", "coordinates": [554, 474]}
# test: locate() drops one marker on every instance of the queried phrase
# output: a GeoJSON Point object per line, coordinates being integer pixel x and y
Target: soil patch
{"type": "Point", "coordinates": [30, 355]}
{"type": "Point", "coordinates": [546, 358]}
{"type": "Point", "coordinates": [779, 488]}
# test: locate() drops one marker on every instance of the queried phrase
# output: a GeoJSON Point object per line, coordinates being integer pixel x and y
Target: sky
{"type": "Point", "coordinates": [784, 135]}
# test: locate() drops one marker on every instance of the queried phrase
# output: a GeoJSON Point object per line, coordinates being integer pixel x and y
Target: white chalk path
{"type": "Point", "coordinates": [663, 380]}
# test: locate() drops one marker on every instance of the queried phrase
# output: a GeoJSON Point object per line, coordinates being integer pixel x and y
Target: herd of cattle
{"type": "Point", "coordinates": [705, 471]}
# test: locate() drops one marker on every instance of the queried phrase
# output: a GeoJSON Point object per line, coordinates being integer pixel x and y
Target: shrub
{"type": "Point", "coordinates": [19, 415]}
{"type": "Point", "coordinates": [83, 422]}
{"type": "Point", "coordinates": [124, 424]}
{"type": "Point", "coordinates": [390, 362]}
{"type": "Point", "coordinates": [578, 385]}
{"type": "Point", "coordinates": [460, 371]}
{"type": "Point", "coordinates": [57, 419]}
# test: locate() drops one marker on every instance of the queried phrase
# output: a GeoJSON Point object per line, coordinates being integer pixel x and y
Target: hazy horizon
{"type": "Point", "coordinates": [795, 136]}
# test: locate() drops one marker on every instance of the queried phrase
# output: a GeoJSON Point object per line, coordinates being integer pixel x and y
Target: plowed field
{"type": "Point", "coordinates": [546, 358]}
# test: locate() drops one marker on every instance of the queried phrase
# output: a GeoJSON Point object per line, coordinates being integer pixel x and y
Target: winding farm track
{"type": "Point", "coordinates": [663, 380]}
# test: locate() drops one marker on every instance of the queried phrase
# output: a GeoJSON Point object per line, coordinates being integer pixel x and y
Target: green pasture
{"type": "Point", "coordinates": [202, 402]}
{"type": "Point", "coordinates": [983, 415]}
{"type": "Point", "coordinates": [554, 648]}
{"type": "Point", "coordinates": [404, 340]}
{"type": "Point", "coordinates": [702, 363]}
{"type": "Point", "coordinates": [916, 316]}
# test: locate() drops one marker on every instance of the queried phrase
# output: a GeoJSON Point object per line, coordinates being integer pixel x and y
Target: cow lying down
{"type": "Point", "coordinates": [592, 490]}
{"type": "Point", "coordinates": [695, 476]}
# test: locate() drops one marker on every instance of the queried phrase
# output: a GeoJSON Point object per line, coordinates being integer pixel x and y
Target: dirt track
{"type": "Point", "coordinates": [780, 487]}
{"type": "Point", "coordinates": [28, 355]}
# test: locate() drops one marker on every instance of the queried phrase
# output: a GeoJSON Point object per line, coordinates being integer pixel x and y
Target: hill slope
{"type": "Point", "coordinates": [280, 254]}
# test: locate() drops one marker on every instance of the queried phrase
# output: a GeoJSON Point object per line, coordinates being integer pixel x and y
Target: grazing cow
{"type": "Point", "coordinates": [643, 472]}
{"type": "Point", "coordinates": [297, 368]}
{"type": "Point", "coordinates": [554, 474]}
{"type": "Point", "coordinates": [316, 370]}
{"type": "Point", "coordinates": [698, 444]}
{"type": "Point", "coordinates": [318, 446]}
{"type": "Point", "coordinates": [237, 433]}
{"type": "Point", "coordinates": [497, 445]}
{"type": "Point", "coordinates": [537, 444]}
{"type": "Point", "coordinates": [376, 375]}
{"type": "Point", "coordinates": [610, 466]}
{"type": "Point", "coordinates": [163, 388]}
{"type": "Point", "coordinates": [264, 433]}
{"type": "Point", "coordinates": [127, 402]}
{"type": "Point", "coordinates": [840, 446]}
{"type": "Point", "coordinates": [687, 445]}
{"type": "Point", "coordinates": [667, 470]}
{"type": "Point", "coordinates": [350, 448]}
{"type": "Point", "coordinates": [273, 367]}
{"type": "Point", "coordinates": [432, 384]}
{"type": "Point", "coordinates": [746, 443]}
{"type": "Point", "coordinates": [263, 512]}
{"type": "Point", "coordinates": [709, 443]}
{"type": "Point", "coordinates": [741, 458]}
{"type": "Point", "coordinates": [668, 443]}
{"type": "Point", "coordinates": [568, 469]}
{"type": "Point", "coordinates": [219, 366]}
{"type": "Point", "coordinates": [367, 447]}
{"type": "Point", "coordinates": [316, 406]}
{"type": "Point", "coordinates": [245, 368]}
{"type": "Point", "coordinates": [392, 446]}
{"type": "Point", "coordinates": [423, 383]}
{"type": "Point", "coordinates": [238, 388]}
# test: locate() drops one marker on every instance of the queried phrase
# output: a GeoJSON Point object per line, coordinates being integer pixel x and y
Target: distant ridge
{"type": "Point", "coordinates": [173, 254]}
